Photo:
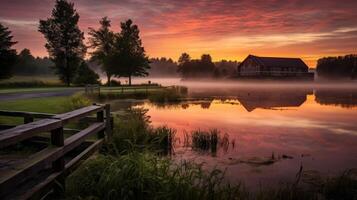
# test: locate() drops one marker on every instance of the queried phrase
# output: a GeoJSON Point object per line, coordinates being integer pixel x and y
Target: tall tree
{"type": "Point", "coordinates": [64, 40]}
{"type": "Point", "coordinates": [7, 54]}
{"type": "Point", "coordinates": [102, 41]}
{"type": "Point", "coordinates": [129, 54]}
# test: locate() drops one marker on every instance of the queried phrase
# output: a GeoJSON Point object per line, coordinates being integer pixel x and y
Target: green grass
{"type": "Point", "coordinates": [30, 81]}
{"type": "Point", "coordinates": [45, 78]}
{"type": "Point", "coordinates": [146, 176]}
{"type": "Point", "coordinates": [51, 105]}
{"type": "Point", "coordinates": [133, 132]}
{"type": "Point", "coordinates": [42, 89]}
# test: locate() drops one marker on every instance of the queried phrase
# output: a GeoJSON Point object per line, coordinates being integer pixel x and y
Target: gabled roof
{"type": "Point", "coordinates": [278, 62]}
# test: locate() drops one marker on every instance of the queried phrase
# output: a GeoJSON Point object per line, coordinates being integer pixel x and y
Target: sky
{"type": "Point", "coordinates": [226, 29]}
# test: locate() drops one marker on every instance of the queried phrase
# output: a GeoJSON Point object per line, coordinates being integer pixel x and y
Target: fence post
{"type": "Point", "coordinates": [28, 119]}
{"type": "Point", "coordinates": [57, 139]}
{"type": "Point", "coordinates": [100, 118]}
{"type": "Point", "coordinates": [108, 122]}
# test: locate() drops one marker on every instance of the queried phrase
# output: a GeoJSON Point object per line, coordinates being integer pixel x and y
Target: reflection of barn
{"type": "Point", "coordinates": [270, 99]}
{"type": "Point", "coordinates": [254, 66]}
{"type": "Point", "coordinates": [342, 97]}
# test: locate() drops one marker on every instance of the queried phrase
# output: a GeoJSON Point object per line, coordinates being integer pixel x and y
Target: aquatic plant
{"type": "Point", "coordinates": [209, 140]}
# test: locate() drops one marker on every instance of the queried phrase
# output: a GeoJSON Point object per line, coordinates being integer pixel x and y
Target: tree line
{"type": "Point", "coordinates": [205, 67]}
{"type": "Point", "coordinates": [337, 67]}
{"type": "Point", "coordinates": [119, 54]}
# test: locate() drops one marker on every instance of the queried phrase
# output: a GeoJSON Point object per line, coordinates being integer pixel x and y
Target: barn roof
{"type": "Point", "coordinates": [278, 62]}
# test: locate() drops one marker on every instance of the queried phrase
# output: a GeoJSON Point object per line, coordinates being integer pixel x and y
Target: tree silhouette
{"type": "Point", "coordinates": [129, 54]}
{"type": "Point", "coordinates": [7, 54]}
{"type": "Point", "coordinates": [202, 68]}
{"type": "Point", "coordinates": [27, 64]}
{"type": "Point", "coordinates": [102, 40]}
{"type": "Point", "coordinates": [337, 67]}
{"type": "Point", "coordinates": [86, 75]}
{"type": "Point", "coordinates": [64, 40]}
{"type": "Point", "coordinates": [184, 58]}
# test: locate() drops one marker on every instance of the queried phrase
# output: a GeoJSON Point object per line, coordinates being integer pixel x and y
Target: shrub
{"type": "Point", "coordinates": [75, 102]}
{"type": "Point", "coordinates": [86, 75]}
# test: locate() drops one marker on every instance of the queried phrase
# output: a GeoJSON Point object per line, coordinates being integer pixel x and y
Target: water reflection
{"type": "Point", "coordinates": [275, 131]}
{"type": "Point", "coordinates": [343, 98]}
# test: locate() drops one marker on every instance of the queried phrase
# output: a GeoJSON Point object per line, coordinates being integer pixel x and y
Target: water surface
{"type": "Point", "coordinates": [314, 127]}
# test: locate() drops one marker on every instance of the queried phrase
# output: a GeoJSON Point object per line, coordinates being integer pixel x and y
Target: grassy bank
{"type": "Point", "coordinates": [51, 105]}
{"type": "Point", "coordinates": [31, 81]}
{"type": "Point", "coordinates": [157, 94]}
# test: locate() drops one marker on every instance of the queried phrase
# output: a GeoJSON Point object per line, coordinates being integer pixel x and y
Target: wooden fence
{"type": "Point", "coordinates": [92, 88]}
{"type": "Point", "coordinates": [44, 171]}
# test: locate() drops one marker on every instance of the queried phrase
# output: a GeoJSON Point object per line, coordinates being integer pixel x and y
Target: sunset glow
{"type": "Point", "coordinates": [225, 29]}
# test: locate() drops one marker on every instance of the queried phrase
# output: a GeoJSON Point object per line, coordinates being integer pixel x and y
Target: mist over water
{"type": "Point", "coordinates": [312, 125]}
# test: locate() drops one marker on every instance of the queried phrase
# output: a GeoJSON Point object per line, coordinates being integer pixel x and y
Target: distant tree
{"type": "Point", "coordinates": [227, 68]}
{"type": "Point", "coordinates": [129, 54]}
{"type": "Point", "coordinates": [102, 41]}
{"type": "Point", "coordinates": [163, 67]}
{"type": "Point", "coordinates": [25, 63]}
{"type": "Point", "coordinates": [337, 67]}
{"type": "Point", "coordinates": [203, 68]}
{"type": "Point", "coordinates": [64, 40]}
{"type": "Point", "coordinates": [184, 58]}
{"type": "Point", "coordinates": [85, 75]}
{"type": "Point", "coordinates": [7, 54]}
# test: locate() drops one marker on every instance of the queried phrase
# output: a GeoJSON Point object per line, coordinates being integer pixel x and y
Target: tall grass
{"type": "Point", "coordinates": [207, 141]}
{"type": "Point", "coordinates": [147, 176]}
{"type": "Point", "coordinates": [133, 132]}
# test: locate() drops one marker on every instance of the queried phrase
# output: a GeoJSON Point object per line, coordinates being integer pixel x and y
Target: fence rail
{"type": "Point", "coordinates": [41, 172]}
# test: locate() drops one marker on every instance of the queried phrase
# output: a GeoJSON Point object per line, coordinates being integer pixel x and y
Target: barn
{"type": "Point", "coordinates": [256, 66]}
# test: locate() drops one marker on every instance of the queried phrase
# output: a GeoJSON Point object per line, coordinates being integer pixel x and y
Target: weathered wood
{"type": "Point", "coordinates": [22, 132]}
{"type": "Point", "coordinates": [10, 178]}
{"type": "Point", "coordinates": [78, 114]}
{"type": "Point", "coordinates": [74, 163]}
{"type": "Point", "coordinates": [108, 123]}
{"type": "Point", "coordinates": [37, 169]}
{"type": "Point", "coordinates": [28, 119]}
{"type": "Point", "coordinates": [75, 140]}
{"type": "Point", "coordinates": [57, 139]}
{"type": "Point", "coordinates": [100, 118]}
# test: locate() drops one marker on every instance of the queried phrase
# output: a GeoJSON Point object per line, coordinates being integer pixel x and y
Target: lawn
{"type": "Point", "coordinates": [44, 89]}
{"type": "Point", "coordinates": [44, 105]}
{"type": "Point", "coordinates": [51, 79]}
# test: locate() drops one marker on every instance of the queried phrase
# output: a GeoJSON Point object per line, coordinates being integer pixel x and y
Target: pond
{"type": "Point", "coordinates": [270, 131]}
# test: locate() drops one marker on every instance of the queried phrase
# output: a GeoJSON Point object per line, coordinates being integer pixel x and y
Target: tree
{"type": "Point", "coordinates": [7, 54]}
{"type": "Point", "coordinates": [337, 67]}
{"type": "Point", "coordinates": [184, 58]}
{"type": "Point", "coordinates": [102, 40]}
{"type": "Point", "coordinates": [129, 54]}
{"type": "Point", "coordinates": [202, 68]}
{"type": "Point", "coordinates": [25, 63]}
{"type": "Point", "coordinates": [64, 40]}
{"type": "Point", "coordinates": [86, 75]}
